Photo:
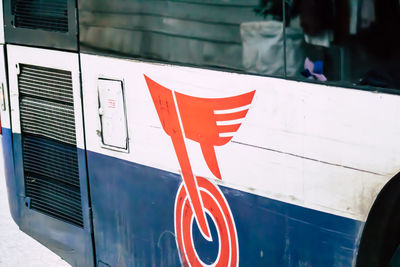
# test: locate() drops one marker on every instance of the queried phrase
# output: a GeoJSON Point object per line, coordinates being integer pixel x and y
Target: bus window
{"type": "Point", "coordinates": [243, 35]}
{"type": "Point", "coordinates": [347, 41]}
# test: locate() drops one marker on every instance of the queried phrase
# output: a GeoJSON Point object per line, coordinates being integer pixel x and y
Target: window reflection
{"type": "Point", "coordinates": [242, 35]}
{"type": "Point", "coordinates": [345, 41]}
{"type": "Point", "coordinates": [262, 40]}
{"type": "Point", "coordinates": [351, 41]}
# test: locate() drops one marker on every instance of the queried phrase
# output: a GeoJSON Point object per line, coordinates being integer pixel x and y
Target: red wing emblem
{"type": "Point", "coordinates": [210, 122]}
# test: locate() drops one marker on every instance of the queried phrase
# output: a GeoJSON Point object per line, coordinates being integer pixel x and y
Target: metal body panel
{"type": "Point", "coordinates": [4, 110]}
{"type": "Point", "coordinates": [6, 139]}
{"type": "Point", "coordinates": [42, 37]}
{"type": "Point", "coordinates": [327, 156]}
{"type": "Point", "coordinates": [302, 162]}
{"type": "Point", "coordinates": [72, 243]}
{"type": "Point", "coordinates": [50, 59]}
{"type": "Point", "coordinates": [134, 223]}
{"type": "Point", "coordinates": [11, 182]}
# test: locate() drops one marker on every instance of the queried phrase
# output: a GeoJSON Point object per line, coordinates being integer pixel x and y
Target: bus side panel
{"type": "Point", "coordinates": [6, 139]}
{"type": "Point", "coordinates": [134, 191]}
{"type": "Point", "coordinates": [327, 157]}
{"type": "Point", "coordinates": [11, 182]}
{"type": "Point", "coordinates": [39, 202]}
{"type": "Point", "coordinates": [133, 208]}
{"type": "Point", "coordinates": [71, 243]}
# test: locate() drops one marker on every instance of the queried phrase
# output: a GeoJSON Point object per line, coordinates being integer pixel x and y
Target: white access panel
{"type": "Point", "coordinates": [45, 58]}
{"type": "Point", "coordinates": [112, 114]}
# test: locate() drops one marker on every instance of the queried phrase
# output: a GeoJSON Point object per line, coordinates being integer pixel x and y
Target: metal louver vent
{"type": "Point", "coordinates": [51, 159]}
{"type": "Point", "coordinates": [42, 82]}
{"type": "Point", "coordinates": [49, 142]}
{"type": "Point", "coordinates": [49, 119]}
{"type": "Point", "coordinates": [50, 198]}
{"type": "Point", "coordinates": [50, 15]}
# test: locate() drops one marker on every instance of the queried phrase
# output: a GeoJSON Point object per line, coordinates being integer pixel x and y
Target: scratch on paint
{"type": "Point", "coordinates": [303, 157]}
{"type": "Point", "coordinates": [161, 236]}
{"type": "Point", "coordinates": [357, 244]}
{"type": "Point", "coordinates": [155, 127]}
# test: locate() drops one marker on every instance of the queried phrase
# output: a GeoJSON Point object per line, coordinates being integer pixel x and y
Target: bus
{"type": "Point", "coordinates": [204, 132]}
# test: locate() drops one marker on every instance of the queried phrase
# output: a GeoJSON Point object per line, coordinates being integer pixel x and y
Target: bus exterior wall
{"type": "Point", "coordinates": [6, 138]}
{"type": "Point", "coordinates": [286, 172]}
{"type": "Point", "coordinates": [300, 175]}
{"type": "Point", "coordinates": [39, 209]}
{"type": "Point", "coordinates": [51, 24]}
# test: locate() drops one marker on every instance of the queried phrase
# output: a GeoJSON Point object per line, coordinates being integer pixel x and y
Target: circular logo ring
{"type": "Point", "coordinates": [217, 207]}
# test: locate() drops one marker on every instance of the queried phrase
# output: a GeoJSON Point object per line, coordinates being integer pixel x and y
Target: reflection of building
{"type": "Point", "coordinates": [206, 34]}
{"type": "Point", "coordinates": [263, 49]}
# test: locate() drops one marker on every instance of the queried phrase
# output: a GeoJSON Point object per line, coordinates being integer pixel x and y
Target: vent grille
{"type": "Point", "coordinates": [50, 15]}
{"type": "Point", "coordinates": [49, 119]}
{"type": "Point", "coordinates": [51, 159]}
{"type": "Point", "coordinates": [41, 82]}
{"type": "Point", "coordinates": [50, 198]}
{"type": "Point", "coordinates": [49, 142]}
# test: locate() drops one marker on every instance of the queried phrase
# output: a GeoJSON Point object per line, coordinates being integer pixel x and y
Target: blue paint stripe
{"type": "Point", "coordinates": [134, 211]}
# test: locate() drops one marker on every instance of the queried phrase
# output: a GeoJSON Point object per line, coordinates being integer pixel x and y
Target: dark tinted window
{"type": "Point", "coordinates": [353, 42]}
{"type": "Point", "coordinates": [242, 35]}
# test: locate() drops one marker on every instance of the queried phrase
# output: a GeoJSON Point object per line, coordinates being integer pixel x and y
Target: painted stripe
{"type": "Point", "coordinates": [232, 110]}
{"type": "Point", "coordinates": [228, 134]}
{"type": "Point", "coordinates": [270, 232]}
{"type": "Point", "coordinates": [230, 122]}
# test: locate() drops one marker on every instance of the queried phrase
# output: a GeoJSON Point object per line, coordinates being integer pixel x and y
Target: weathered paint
{"type": "Point", "coordinates": [299, 176]}
{"type": "Point", "coordinates": [134, 223]}
{"type": "Point", "coordinates": [327, 156]}
{"type": "Point", "coordinates": [71, 243]}
{"type": "Point", "coordinates": [74, 244]}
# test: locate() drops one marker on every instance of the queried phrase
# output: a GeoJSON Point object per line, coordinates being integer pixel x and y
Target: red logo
{"type": "Point", "coordinates": [210, 122]}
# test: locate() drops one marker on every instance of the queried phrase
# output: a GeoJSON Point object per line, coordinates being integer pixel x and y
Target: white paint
{"type": "Point", "coordinates": [229, 134]}
{"type": "Point", "coordinates": [4, 113]}
{"type": "Point", "coordinates": [327, 148]}
{"type": "Point", "coordinates": [44, 58]}
{"type": "Point", "coordinates": [231, 122]}
{"type": "Point", "coordinates": [232, 110]}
